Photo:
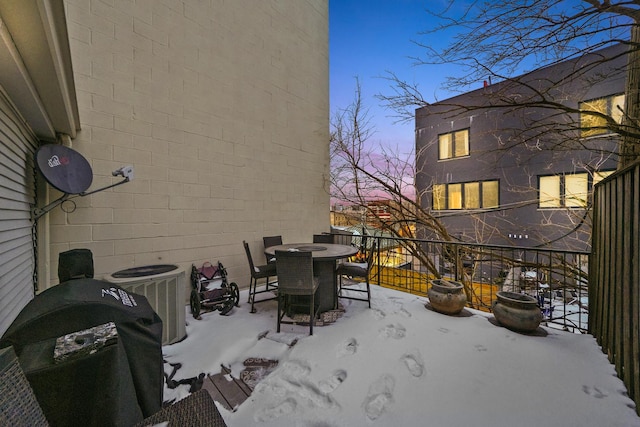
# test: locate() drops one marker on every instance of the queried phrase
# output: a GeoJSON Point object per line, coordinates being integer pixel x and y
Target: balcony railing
{"type": "Point", "coordinates": [557, 279]}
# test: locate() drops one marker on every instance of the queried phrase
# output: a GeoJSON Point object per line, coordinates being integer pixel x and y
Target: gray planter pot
{"type": "Point", "coordinates": [447, 296]}
{"type": "Point", "coordinates": [518, 312]}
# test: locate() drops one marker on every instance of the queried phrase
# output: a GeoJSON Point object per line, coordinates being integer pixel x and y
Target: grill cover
{"type": "Point", "coordinates": [75, 264]}
{"type": "Point", "coordinates": [83, 303]}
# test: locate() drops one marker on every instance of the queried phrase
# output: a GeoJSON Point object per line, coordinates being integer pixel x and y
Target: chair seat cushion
{"type": "Point", "coordinates": [267, 269]}
{"type": "Point", "coordinates": [352, 269]}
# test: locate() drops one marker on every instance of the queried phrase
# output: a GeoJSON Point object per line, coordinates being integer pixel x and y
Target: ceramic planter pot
{"type": "Point", "coordinates": [518, 312]}
{"type": "Point", "coordinates": [447, 296]}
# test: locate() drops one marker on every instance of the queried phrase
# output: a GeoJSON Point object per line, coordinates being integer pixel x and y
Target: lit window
{"type": "Point", "coordinates": [490, 194]}
{"type": "Point", "coordinates": [591, 124]}
{"type": "Point", "coordinates": [550, 192]}
{"type": "Point", "coordinates": [468, 195]}
{"type": "Point", "coordinates": [453, 144]}
{"type": "Point", "coordinates": [439, 194]}
{"type": "Point", "coordinates": [455, 196]}
{"type": "Point", "coordinates": [472, 195]}
{"type": "Point", "coordinates": [599, 176]}
{"type": "Point", "coordinates": [576, 190]}
{"type": "Point", "coordinates": [570, 190]}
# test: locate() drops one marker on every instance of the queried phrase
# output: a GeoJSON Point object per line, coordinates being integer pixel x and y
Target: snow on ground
{"type": "Point", "coordinates": [402, 364]}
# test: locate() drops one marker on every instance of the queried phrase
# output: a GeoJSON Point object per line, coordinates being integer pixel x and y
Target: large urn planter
{"type": "Point", "coordinates": [518, 312]}
{"type": "Point", "coordinates": [447, 296]}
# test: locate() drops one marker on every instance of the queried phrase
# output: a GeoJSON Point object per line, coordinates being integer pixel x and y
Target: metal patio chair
{"type": "Point", "coordinates": [342, 237]}
{"type": "Point", "coordinates": [259, 272]}
{"type": "Point", "coordinates": [356, 269]}
{"type": "Point", "coordinates": [322, 238]}
{"type": "Point", "coordinates": [271, 241]}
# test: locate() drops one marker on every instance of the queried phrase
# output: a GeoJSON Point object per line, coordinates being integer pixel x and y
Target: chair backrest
{"type": "Point", "coordinates": [272, 241]}
{"type": "Point", "coordinates": [342, 237]}
{"type": "Point", "coordinates": [295, 272]}
{"type": "Point", "coordinates": [249, 258]}
{"type": "Point", "coordinates": [322, 238]}
{"type": "Point", "coordinates": [18, 404]}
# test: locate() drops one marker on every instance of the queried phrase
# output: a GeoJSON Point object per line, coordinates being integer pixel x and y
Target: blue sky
{"type": "Point", "coordinates": [368, 38]}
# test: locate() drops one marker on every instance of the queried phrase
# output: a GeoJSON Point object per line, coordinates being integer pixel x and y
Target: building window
{"type": "Point", "coordinates": [467, 195]}
{"type": "Point", "coordinates": [591, 124]}
{"type": "Point", "coordinates": [576, 189]}
{"type": "Point", "coordinates": [439, 197]}
{"type": "Point", "coordinates": [453, 144]}
{"type": "Point", "coordinates": [600, 175]}
{"type": "Point", "coordinates": [567, 191]}
{"type": "Point", "coordinates": [549, 196]}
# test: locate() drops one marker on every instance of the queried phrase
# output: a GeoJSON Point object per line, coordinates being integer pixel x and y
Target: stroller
{"type": "Point", "coordinates": [222, 299]}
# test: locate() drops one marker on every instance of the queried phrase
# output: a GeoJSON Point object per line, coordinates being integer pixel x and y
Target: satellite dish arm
{"type": "Point", "coordinates": [36, 213]}
{"type": "Point", "coordinates": [125, 171]}
{"type": "Point", "coordinates": [86, 193]}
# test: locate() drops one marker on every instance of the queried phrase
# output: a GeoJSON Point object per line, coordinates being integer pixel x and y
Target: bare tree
{"type": "Point", "coordinates": [362, 173]}
{"type": "Point", "coordinates": [494, 40]}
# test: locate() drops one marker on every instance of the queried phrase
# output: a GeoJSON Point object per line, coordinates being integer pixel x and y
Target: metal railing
{"type": "Point", "coordinates": [556, 278]}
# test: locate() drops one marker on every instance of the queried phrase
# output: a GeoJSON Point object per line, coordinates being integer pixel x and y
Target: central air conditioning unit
{"type": "Point", "coordinates": [164, 287]}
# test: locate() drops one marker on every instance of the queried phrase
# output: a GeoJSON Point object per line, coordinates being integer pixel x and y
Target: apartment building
{"type": "Point", "coordinates": [500, 165]}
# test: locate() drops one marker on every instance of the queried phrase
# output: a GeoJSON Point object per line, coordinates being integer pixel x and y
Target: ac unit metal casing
{"type": "Point", "coordinates": [166, 294]}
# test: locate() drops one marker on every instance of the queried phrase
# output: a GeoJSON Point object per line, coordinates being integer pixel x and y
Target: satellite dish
{"type": "Point", "coordinates": [67, 171]}
{"type": "Point", "coordinates": [64, 169]}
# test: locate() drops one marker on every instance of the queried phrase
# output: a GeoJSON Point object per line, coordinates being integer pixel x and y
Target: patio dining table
{"type": "Point", "coordinates": [324, 257]}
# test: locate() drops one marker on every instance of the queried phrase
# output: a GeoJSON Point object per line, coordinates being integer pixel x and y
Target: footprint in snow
{"type": "Point", "coordinates": [594, 391]}
{"type": "Point", "coordinates": [281, 409]}
{"type": "Point", "coordinates": [414, 364]}
{"type": "Point", "coordinates": [379, 397]}
{"type": "Point", "coordinates": [393, 331]}
{"type": "Point", "coordinates": [347, 348]}
{"type": "Point", "coordinates": [296, 368]}
{"type": "Point", "coordinates": [331, 383]}
{"type": "Point", "coordinates": [403, 311]}
{"type": "Point", "coordinates": [378, 314]}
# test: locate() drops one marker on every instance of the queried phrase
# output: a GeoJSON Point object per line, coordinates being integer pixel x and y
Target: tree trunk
{"type": "Point", "coordinates": [630, 146]}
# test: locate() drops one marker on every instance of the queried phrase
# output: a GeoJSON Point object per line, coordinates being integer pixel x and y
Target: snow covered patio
{"type": "Point", "coordinates": [402, 364]}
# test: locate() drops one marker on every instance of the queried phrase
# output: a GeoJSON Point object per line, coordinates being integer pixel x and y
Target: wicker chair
{"type": "Point", "coordinates": [19, 406]}
{"type": "Point", "coordinates": [296, 284]}
{"type": "Point", "coordinates": [271, 241]}
{"type": "Point", "coordinates": [322, 238]}
{"type": "Point", "coordinates": [354, 269]}
{"type": "Point", "coordinates": [196, 410]}
{"type": "Point", "coordinates": [259, 272]}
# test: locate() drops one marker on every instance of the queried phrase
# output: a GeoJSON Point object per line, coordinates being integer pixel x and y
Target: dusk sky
{"type": "Point", "coordinates": [368, 38]}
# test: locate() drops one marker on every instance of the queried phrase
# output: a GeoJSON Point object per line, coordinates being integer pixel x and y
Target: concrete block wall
{"type": "Point", "coordinates": [221, 106]}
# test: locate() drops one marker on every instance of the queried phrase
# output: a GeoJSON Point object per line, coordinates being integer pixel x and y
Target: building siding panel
{"type": "Point", "coordinates": [17, 195]}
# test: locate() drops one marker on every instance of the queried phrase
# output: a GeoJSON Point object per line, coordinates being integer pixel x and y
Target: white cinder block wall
{"type": "Point", "coordinates": [221, 106]}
